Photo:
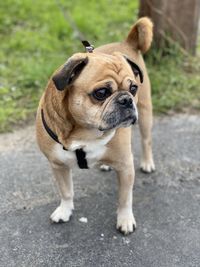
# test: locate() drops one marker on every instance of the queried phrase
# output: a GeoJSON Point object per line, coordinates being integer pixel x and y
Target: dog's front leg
{"type": "Point", "coordinates": [63, 177]}
{"type": "Point", "coordinates": [125, 218]}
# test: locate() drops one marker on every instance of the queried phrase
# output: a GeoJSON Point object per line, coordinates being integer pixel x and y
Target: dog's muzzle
{"type": "Point", "coordinates": [127, 107]}
{"type": "Point", "coordinates": [121, 112]}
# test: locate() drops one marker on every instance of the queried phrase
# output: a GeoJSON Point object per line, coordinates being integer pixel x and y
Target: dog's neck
{"type": "Point", "coordinates": [81, 135]}
{"type": "Point", "coordinates": [75, 137]}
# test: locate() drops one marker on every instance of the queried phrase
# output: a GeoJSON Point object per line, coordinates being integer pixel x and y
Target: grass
{"type": "Point", "coordinates": [175, 81]}
{"type": "Point", "coordinates": [36, 38]}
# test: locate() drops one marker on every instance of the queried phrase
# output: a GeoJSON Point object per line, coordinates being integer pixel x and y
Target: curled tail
{"type": "Point", "coordinates": [141, 34]}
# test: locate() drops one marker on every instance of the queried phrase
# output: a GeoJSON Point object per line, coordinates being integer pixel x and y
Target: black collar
{"type": "Point", "coordinates": [80, 153]}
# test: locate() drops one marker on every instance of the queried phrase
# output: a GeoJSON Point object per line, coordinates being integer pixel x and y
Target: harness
{"type": "Point", "coordinates": [80, 153]}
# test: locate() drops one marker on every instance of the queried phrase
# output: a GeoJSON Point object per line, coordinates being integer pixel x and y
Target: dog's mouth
{"type": "Point", "coordinates": [125, 122]}
{"type": "Point", "coordinates": [132, 118]}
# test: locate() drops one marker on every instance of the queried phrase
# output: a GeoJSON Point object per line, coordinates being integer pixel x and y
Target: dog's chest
{"type": "Point", "coordinates": [94, 151]}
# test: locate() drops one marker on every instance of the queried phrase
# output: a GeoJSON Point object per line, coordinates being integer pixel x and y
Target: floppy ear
{"type": "Point", "coordinates": [136, 69]}
{"type": "Point", "coordinates": [69, 72]}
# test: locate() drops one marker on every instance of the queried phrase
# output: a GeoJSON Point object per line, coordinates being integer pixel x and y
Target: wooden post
{"type": "Point", "coordinates": [173, 19]}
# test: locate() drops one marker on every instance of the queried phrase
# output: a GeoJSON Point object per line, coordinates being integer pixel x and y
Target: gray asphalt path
{"type": "Point", "coordinates": [166, 206]}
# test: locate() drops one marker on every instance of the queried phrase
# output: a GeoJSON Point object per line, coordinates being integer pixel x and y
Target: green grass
{"type": "Point", "coordinates": [175, 82]}
{"type": "Point", "coordinates": [36, 38]}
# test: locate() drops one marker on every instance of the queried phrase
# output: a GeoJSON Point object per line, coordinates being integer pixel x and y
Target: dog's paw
{"type": "Point", "coordinates": [126, 223]}
{"type": "Point", "coordinates": [62, 213]}
{"type": "Point", "coordinates": [105, 168]}
{"type": "Point", "coordinates": [147, 166]}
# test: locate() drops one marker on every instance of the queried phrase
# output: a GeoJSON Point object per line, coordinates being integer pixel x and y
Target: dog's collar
{"type": "Point", "coordinates": [49, 131]}
{"type": "Point", "coordinates": [80, 153]}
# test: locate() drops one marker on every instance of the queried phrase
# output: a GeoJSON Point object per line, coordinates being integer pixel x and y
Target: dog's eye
{"type": "Point", "coordinates": [101, 94]}
{"type": "Point", "coordinates": [133, 89]}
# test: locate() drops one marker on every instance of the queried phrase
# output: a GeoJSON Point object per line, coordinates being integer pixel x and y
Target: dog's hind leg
{"type": "Point", "coordinates": [63, 177]}
{"type": "Point", "coordinates": [145, 125]}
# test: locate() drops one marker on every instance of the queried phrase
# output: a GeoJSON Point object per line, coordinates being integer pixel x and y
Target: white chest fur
{"type": "Point", "coordinates": [94, 150]}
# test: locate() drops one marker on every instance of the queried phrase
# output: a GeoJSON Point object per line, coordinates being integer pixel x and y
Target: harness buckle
{"type": "Point", "coordinates": [88, 47]}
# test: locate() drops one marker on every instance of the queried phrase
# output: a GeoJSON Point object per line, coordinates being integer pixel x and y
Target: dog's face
{"type": "Point", "coordinates": [100, 90]}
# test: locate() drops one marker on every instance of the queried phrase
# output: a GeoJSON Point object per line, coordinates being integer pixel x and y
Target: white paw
{"type": "Point", "coordinates": [105, 168]}
{"type": "Point", "coordinates": [126, 223]}
{"type": "Point", "coordinates": [62, 213]}
{"type": "Point", "coordinates": [147, 166]}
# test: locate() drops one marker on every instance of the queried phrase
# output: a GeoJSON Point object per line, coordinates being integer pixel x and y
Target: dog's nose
{"type": "Point", "coordinates": [125, 101]}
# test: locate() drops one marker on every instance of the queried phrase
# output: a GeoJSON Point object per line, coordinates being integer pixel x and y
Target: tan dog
{"type": "Point", "coordinates": [85, 114]}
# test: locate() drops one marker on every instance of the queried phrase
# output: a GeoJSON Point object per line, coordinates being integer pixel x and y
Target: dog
{"type": "Point", "coordinates": [85, 115]}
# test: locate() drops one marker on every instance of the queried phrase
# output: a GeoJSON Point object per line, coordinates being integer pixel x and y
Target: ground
{"type": "Point", "coordinates": [166, 206]}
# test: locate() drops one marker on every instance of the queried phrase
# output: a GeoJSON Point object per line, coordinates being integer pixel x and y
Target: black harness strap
{"type": "Point", "coordinates": [81, 158]}
{"type": "Point", "coordinates": [80, 153]}
{"type": "Point", "coordinates": [49, 131]}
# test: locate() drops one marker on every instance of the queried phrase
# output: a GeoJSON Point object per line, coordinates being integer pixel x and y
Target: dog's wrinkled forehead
{"type": "Point", "coordinates": [86, 68]}
{"type": "Point", "coordinates": [114, 62]}
{"type": "Point", "coordinates": [102, 66]}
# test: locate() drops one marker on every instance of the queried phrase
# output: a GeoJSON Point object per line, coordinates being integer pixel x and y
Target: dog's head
{"type": "Point", "coordinates": [100, 89]}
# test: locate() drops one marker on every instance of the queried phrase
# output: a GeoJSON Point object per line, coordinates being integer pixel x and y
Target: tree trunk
{"type": "Point", "coordinates": [174, 20]}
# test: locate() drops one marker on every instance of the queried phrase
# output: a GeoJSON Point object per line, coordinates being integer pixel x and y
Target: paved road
{"type": "Point", "coordinates": [166, 206]}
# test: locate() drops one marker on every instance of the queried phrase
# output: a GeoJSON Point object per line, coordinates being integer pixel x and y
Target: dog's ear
{"type": "Point", "coordinates": [69, 72]}
{"type": "Point", "coordinates": [136, 69]}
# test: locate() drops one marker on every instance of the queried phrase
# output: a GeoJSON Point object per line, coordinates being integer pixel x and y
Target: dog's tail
{"type": "Point", "coordinates": [141, 34]}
